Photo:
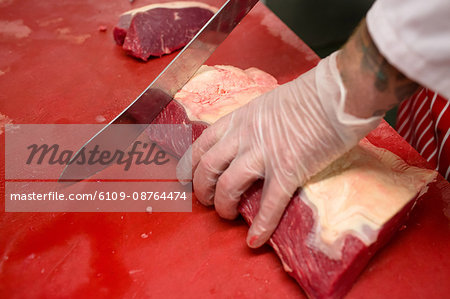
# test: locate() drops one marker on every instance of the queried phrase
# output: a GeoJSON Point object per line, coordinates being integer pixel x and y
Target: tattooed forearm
{"type": "Point", "coordinates": [385, 74]}
{"type": "Point", "coordinates": [374, 86]}
{"type": "Point", "coordinates": [372, 60]}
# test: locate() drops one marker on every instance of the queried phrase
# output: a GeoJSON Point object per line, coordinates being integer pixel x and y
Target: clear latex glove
{"type": "Point", "coordinates": [284, 136]}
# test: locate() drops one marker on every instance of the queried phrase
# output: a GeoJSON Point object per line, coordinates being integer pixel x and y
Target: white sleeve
{"type": "Point", "coordinates": [414, 36]}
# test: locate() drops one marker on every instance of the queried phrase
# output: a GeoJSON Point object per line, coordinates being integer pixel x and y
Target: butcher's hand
{"type": "Point", "coordinates": [284, 137]}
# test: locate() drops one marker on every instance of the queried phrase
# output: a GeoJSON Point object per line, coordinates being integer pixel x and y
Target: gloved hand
{"type": "Point", "coordinates": [284, 136]}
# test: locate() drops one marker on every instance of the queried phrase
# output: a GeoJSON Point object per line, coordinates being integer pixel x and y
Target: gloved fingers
{"type": "Point", "coordinates": [211, 166]}
{"type": "Point", "coordinates": [274, 201]}
{"type": "Point", "coordinates": [235, 180]}
{"type": "Point", "coordinates": [184, 167]}
{"type": "Point", "coordinates": [188, 163]}
{"type": "Point", "coordinates": [209, 138]}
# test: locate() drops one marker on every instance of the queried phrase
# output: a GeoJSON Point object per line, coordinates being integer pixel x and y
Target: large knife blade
{"type": "Point", "coordinates": [143, 110]}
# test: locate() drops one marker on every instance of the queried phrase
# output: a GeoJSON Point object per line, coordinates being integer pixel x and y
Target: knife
{"type": "Point", "coordinates": [143, 110]}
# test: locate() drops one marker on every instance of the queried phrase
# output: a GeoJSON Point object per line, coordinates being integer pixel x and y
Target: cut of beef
{"type": "Point", "coordinates": [158, 29]}
{"type": "Point", "coordinates": [342, 217]}
{"type": "Point", "coordinates": [215, 91]}
{"type": "Point", "coordinates": [337, 221]}
{"type": "Point", "coordinates": [212, 92]}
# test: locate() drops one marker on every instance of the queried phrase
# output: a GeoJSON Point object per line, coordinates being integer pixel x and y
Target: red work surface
{"type": "Point", "coordinates": [56, 66]}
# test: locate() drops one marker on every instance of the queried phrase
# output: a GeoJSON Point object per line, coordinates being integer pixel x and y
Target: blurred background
{"type": "Point", "coordinates": [324, 25]}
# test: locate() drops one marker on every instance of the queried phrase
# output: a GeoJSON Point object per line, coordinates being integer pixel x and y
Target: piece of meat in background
{"type": "Point", "coordinates": [158, 29]}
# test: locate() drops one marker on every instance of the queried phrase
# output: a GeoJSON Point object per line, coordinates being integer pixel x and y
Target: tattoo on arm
{"type": "Point", "coordinates": [372, 60]}
{"type": "Point", "coordinates": [373, 85]}
{"type": "Point", "coordinates": [386, 76]}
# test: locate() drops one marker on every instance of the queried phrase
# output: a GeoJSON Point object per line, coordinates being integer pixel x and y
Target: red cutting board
{"type": "Point", "coordinates": [57, 67]}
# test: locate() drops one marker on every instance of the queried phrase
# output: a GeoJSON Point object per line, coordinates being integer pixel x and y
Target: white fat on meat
{"type": "Point", "coordinates": [358, 194]}
{"type": "Point", "coordinates": [215, 91]}
{"type": "Point", "coordinates": [171, 5]}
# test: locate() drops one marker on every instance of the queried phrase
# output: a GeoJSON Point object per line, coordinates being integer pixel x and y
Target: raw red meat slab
{"type": "Point", "coordinates": [159, 30]}
{"type": "Point", "coordinates": [121, 29]}
{"type": "Point", "coordinates": [174, 113]}
{"type": "Point", "coordinates": [213, 91]}
{"type": "Point", "coordinates": [319, 276]}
